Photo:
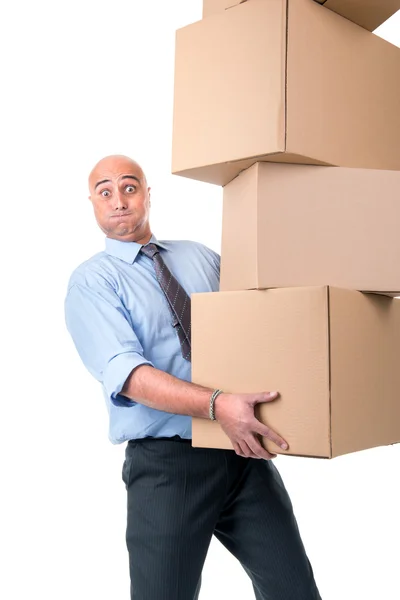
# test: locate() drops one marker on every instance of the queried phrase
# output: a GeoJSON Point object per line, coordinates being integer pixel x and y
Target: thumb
{"type": "Point", "coordinates": [265, 397]}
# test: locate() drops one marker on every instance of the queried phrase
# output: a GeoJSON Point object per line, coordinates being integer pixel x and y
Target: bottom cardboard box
{"type": "Point", "coordinates": [332, 353]}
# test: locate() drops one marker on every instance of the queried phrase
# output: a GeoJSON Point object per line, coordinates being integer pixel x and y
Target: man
{"type": "Point", "coordinates": [131, 336]}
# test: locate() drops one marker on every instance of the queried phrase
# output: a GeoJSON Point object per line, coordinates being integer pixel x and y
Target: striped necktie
{"type": "Point", "coordinates": [178, 300]}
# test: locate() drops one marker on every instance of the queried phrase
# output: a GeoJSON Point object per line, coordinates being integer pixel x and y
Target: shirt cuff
{"type": "Point", "coordinates": [117, 372]}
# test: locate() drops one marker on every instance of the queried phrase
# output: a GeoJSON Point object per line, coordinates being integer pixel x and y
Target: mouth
{"type": "Point", "coordinates": [120, 216]}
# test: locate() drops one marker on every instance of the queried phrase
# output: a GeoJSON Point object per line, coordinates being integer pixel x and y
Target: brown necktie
{"type": "Point", "coordinates": [178, 300]}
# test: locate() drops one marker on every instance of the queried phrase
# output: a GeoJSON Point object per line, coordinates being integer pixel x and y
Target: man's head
{"type": "Point", "coordinates": [121, 199]}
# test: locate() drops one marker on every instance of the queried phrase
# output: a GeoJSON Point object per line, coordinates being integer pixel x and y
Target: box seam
{"type": "Point", "coordinates": [286, 73]}
{"type": "Point", "coordinates": [328, 304]}
{"type": "Point", "coordinates": [257, 227]}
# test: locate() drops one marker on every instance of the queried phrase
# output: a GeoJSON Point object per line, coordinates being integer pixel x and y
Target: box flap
{"type": "Point", "coordinates": [369, 14]}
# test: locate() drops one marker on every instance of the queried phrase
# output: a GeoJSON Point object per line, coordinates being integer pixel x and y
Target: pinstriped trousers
{"type": "Point", "coordinates": [179, 496]}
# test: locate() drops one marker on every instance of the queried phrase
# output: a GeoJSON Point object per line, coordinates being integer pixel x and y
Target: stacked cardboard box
{"type": "Point", "coordinates": [263, 82]}
{"type": "Point", "coordinates": [367, 13]}
{"type": "Point", "coordinates": [283, 81]}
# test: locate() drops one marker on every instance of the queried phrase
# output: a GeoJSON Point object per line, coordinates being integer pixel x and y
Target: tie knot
{"type": "Point", "coordinates": [149, 250]}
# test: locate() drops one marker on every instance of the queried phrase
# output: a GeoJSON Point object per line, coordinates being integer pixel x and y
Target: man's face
{"type": "Point", "coordinates": [121, 199]}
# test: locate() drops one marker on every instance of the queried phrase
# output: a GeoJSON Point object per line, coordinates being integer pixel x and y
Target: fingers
{"type": "Point", "coordinates": [251, 448]}
{"type": "Point", "coordinates": [265, 397]}
{"type": "Point", "coordinates": [265, 431]}
{"type": "Point", "coordinates": [242, 449]}
{"type": "Point", "coordinates": [242, 426]}
{"type": "Point", "coordinates": [257, 449]}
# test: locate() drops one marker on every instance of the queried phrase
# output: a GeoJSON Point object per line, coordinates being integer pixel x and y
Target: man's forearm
{"type": "Point", "coordinates": [162, 391]}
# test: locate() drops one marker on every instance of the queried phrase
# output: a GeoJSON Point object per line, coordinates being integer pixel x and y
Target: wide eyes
{"type": "Point", "coordinates": [129, 189]}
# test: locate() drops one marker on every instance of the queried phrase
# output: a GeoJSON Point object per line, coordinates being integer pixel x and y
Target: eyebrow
{"type": "Point", "coordinates": [131, 177]}
{"type": "Point", "coordinates": [100, 182]}
{"type": "Point", "coordinates": [124, 177]}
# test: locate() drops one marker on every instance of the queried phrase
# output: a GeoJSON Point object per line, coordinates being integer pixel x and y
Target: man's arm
{"type": "Point", "coordinates": [162, 391]}
{"type": "Point", "coordinates": [110, 350]}
{"type": "Point", "coordinates": [234, 412]}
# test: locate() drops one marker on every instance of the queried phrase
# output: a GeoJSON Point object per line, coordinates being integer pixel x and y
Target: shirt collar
{"type": "Point", "coordinates": [128, 251]}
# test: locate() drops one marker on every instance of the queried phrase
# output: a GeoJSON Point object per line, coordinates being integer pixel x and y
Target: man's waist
{"type": "Point", "coordinates": [174, 438]}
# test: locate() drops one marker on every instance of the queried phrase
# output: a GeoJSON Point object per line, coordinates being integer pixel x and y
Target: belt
{"type": "Point", "coordinates": [175, 438]}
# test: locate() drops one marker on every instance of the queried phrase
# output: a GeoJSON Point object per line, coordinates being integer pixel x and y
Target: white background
{"type": "Point", "coordinates": [80, 80]}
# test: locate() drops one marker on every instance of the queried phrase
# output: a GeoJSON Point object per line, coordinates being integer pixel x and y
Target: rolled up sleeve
{"type": "Point", "coordinates": [102, 333]}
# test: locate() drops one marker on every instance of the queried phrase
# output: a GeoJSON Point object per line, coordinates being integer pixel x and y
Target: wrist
{"type": "Point", "coordinates": [211, 412]}
{"type": "Point", "coordinates": [218, 402]}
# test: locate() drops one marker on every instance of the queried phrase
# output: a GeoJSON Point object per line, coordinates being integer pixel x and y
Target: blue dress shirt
{"type": "Point", "coordinates": [119, 318]}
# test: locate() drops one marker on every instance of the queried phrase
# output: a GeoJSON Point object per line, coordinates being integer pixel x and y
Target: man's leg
{"type": "Point", "coordinates": [258, 527]}
{"type": "Point", "coordinates": [175, 494]}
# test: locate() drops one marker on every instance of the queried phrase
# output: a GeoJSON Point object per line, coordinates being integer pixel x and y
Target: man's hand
{"type": "Point", "coordinates": [235, 414]}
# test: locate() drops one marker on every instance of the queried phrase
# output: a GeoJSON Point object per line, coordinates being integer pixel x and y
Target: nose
{"type": "Point", "coordinates": [119, 201]}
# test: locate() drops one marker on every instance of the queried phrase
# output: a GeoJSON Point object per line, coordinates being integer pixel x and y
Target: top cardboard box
{"type": "Point", "coordinates": [367, 13]}
{"type": "Point", "coordinates": [283, 82]}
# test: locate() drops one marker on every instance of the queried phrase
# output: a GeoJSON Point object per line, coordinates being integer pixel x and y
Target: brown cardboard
{"type": "Point", "coordinates": [213, 7]}
{"type": "Point", "coordinates": [367, 13]}
{"type": "Point", "coordinates": [331, 353]}
{"type": "Point", "coordinates": [295, 225]}
{"type": "Point", "coordinates": [258, 83]}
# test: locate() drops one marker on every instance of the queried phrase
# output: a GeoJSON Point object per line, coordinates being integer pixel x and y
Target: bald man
{"type": "Point", "coordinates": [133, 340]}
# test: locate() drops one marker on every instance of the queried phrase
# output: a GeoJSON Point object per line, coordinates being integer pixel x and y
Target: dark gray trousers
{"type": "Point", "coordinates": [179, 496]}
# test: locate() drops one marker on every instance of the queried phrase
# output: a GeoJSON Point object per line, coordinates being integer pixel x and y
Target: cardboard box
{"type": "Point", "coordinates": [214, 7]}
{"type": "Point", "coordinates": [294, 225]}
{"type": "Point", "coordinates": [367, 13]}
{"type": "Point", "coordinates": [305, 85]}
{"type": "Point", "coordinates": [331, 353]}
